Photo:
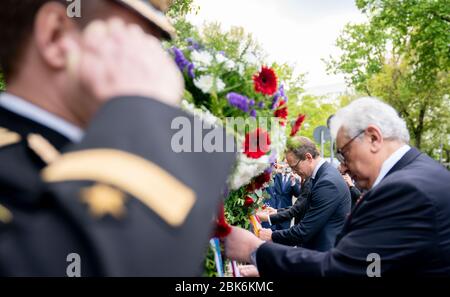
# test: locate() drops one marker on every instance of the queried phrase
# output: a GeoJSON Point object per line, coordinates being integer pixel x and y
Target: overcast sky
{"type": "Point", "coordinates": [299, 32]}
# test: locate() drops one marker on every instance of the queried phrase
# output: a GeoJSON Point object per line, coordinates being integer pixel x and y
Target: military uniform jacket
{"type": "Point", "coordinates": [119, 203]}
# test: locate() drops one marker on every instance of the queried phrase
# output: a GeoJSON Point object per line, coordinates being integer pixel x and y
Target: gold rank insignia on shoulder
{"type": "Point", "coordinates": [104, 200]}
{"type": "Point", "coordinates": [150, 184]}
{"type": "Point", "coordinates": [43, 148]}
{"type": "Point", "coordinates": [8, 137]}
{"type": "Point", "coordinates": [5, 215]}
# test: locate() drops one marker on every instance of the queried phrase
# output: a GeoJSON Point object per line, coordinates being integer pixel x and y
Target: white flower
{"type": "Point", "coordinates": [202, 58]}
{"type": "Point", "coordinates": [250, 58]}
{"type": "Point", "coordinates": [278, 140]}
{"type": "Point", "coordinates": [246, 169]}
{"type": "Point", "coordinates": [205, 115]}
{"type": "Point", "coordinates": [206, 84]}
{"type": "Point", "coordinates": [220, 85]}
{"type": "Point", "coordinates": [220, 58]}
{"type": "Point", "coordinates": [228, 64]}
{"type": "Point", "coordinates": [241, 69]}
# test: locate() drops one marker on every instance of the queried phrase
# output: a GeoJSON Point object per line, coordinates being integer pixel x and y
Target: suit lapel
{"type": "Point", "coordinates": [319, 173]}
{"type": "Point", "coordinates": [410, 156]}
{"type": "Point", "coordinates": [278, 182]}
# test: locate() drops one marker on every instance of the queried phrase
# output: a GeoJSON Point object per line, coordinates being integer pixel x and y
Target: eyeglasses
{"type": "Point", "coordinates": [340, 152]}
{"type": "Point", "coordinates": [295, 166]}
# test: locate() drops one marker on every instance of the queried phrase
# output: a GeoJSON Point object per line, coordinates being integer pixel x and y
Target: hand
{"type": "Point", "coordinates": [114, 59]}
{"type": "Point", "coordinates": [293, 180]}
{"type": "Point", "coordinates": [348, 180]}
{"type": "Point", "coordinates": [263, 215]}
{"type": "Point", "coordinates": [249, 271]}
{"type": "Point", "coordinates": [270, 210]}
{"type": "Point", "coordinates": [240, 243]}
{"type": "Point", "coordinates": [265, 234]}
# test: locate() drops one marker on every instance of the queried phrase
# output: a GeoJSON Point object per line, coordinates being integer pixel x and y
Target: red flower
{"type": "Point", "coordinates": [248, 201]}
{"type": "Point", "coordinates": [266, 81]}
{"type": "Point", "coordinates": [298, 124]}
{"type": "Point", "coordinates": [222, 227]}
{"type": "Point", "coordinates": [257, 143]}
{"type": "Point", "coordinates": [259, 181]}
{"type": "Point", "coordinates": [281, 112]}
{"type": "Point", "coordinates": [262, 179]}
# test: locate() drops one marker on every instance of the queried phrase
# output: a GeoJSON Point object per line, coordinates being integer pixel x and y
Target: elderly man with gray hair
{"type": "Point", "coordinates": [401, 226]}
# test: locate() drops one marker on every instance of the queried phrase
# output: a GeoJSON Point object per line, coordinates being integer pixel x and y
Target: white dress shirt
{"type": "Point", "coordinates": [390, 162]}
{"type": "Point", "coordinates": [30, 111]}
{"type": "Point", "coordinates": [321, 162]}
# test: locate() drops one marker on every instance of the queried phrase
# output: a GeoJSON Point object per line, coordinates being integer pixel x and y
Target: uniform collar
{"type": "Point", "coordinates": [33, 112]}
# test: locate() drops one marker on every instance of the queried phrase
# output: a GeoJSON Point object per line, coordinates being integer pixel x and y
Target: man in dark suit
{"type": "Point", "coordinates": [90, 184]}
{"type": "Point", "coordinates": [401, 226]}
{"type": "Point", "coordinates": [285, 186]}
{"type": "Point", "coordinates": [355, 193]}
{"type": "Point", "coordinates": [328, 204]}
{"type": "Point", "coordinates": [296, 211]}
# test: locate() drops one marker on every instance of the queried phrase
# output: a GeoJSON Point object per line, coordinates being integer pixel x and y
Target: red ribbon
{"type": "Point", "coordinates": [222, 227]}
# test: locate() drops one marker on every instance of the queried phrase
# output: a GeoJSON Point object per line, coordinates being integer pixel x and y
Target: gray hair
{"type": "Point", "coordinates": [361, 113]}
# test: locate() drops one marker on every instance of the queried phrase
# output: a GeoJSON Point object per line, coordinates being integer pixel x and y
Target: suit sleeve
{"type": "Point", "coordinates": [398, 225]}
{"type": "Point", "coordinates": [296, 189]}
{"type": "Point", "coordinates": [323, 205]}
{"type": "Point", "coordinates": [289, 213]}
{"type": "Point", "coordinates": [296, 211]}
{"type": "Point", "coordinates": [355, 194]}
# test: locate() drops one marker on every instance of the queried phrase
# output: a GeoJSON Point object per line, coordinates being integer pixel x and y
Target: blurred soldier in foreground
{"type": "Point", "coordinates": [87, 172]}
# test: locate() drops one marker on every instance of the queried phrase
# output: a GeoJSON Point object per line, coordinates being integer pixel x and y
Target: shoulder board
{"type": "Point", "coordinates": [144, 180]}
{"type": "Point", "coordinates": [8, 137]}
{"type": "Point", "coordinates": [5, 215]}
{"type": "Point", "coordinates": [43, 148]}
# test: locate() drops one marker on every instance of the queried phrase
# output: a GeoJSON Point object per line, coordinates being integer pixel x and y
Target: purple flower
{"type": "Point", "coordinates": [238, 100]}
{"type": "Point", "coordinates": [193, 44]}
{"type": "Point", "coordinates": [282, 93]}
{"type": "Point", "coordinates": [273, 157]}
{"type": "Point", "coordinates": [261, 104]}
{"type": "Point", "coordinates": [190, 70]}
{"type": "Point", "coordinates": [281, 90]}
{"type": "Point", "coordinates": [182, 62]}
{"type": "Point", "coordinates": [251, 102]}
{"type": "Point", "coordinates": [279, 95]}
{"type": "Point", "coordinates": [253, 113]}
{"type": "Point", "coordinates": [275, 100]}
{"type": "Point", "coordinates": [180, 59]}
{"type": "Point", "coordinates": [268, 170]}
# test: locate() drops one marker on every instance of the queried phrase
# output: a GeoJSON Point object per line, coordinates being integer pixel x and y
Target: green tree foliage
{"type": "Point", "coordinates": [317, 110]}
{"type": "Point", "coordinates": [401, 55]}
{"type": "Point", "coordinates": [180, 8]}
{"type": "Point", "coordinates": [425, 110]}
